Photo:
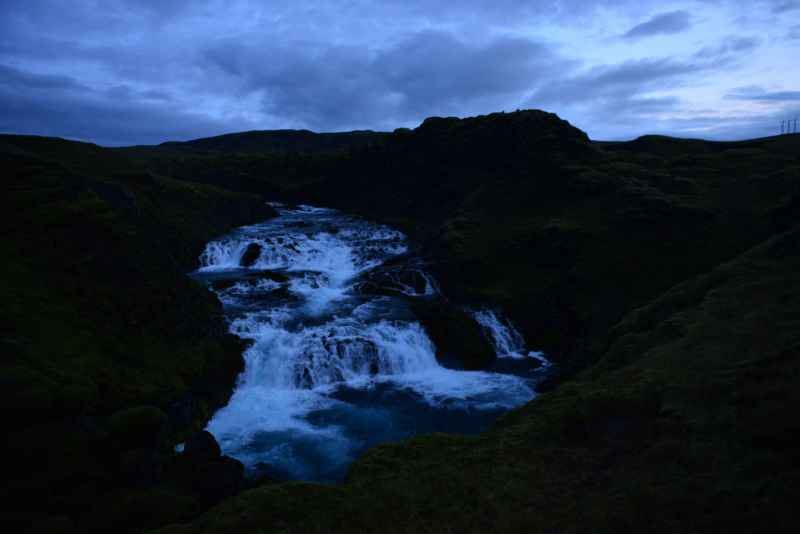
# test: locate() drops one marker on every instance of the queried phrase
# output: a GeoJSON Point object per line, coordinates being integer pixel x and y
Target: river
{"type": "Point", "coordinates": [338, 362]}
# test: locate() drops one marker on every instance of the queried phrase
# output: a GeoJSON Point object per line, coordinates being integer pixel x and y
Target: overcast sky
{"type": "Point", "coordinates": [123, 72]}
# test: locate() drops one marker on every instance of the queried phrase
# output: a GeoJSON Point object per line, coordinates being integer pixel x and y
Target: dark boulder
{"type": "Point", "coordinates": [369, 288]}
{"type": "Point", "coordinates": [298, 224]}
{"type": "Point", "coordinates": [205, 445]}
{"type": "Point", "coordinates": [271, 275]}
{"type": "Point", "coordinates": [212, 477]}
{"type": "Point", "coordinates": [251, 254]}
{"type": "Point", "coordinates": [221, 285]}
{"type": "Point", "coordinates": [459, 339]}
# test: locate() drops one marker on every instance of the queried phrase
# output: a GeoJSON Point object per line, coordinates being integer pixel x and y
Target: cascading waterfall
{"type": "Point", "coordinates": [504, 336]}
{"type": "Point", "coordinates": [338, 363]}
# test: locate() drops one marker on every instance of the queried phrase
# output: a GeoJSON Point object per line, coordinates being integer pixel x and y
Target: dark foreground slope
{"type": "Point", "coordinates": [686, 425]}
{"type": "Point", "coordinates": [108, 348]}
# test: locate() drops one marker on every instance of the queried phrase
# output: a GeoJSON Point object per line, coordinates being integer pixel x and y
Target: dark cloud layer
{"type": "Point", "coordinates": [778, 96]}
{"type": "Point", "coordinates": [663, 23]}
{"type": "Point", "coordinates": [147, 71]}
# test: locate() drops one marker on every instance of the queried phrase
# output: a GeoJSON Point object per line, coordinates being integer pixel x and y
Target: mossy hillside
{"type": "Point", "coordinates": [281, 141]}
{"type": "Point", "coordinates": [688, 425]}
{"type": "Point", "coordinates": [151, 157]}
{"type": "Point", "coordinates": [664, 146]}
{"type": "Point", "coordinates": [98, 316]}
{"type": "Point", "coordinates": [280, 177]}
{"type": "Point", "coordinates": [522, 209]}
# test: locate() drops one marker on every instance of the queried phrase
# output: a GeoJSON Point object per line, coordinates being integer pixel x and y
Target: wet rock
{"type": "Point", "coordinates": [204, 444]}
{"type": "Point", "coordinates": [221, 285]}
{"type": "Point", "coordinates": [251, 254]}
{"type": "Point", "coordinates": [298, 224]}
{"type": "Point", "coordinates": [271, 275]}
{"type": "Point", "coordinates": [212, 477]}
{"type": "Point", "coordinates": [262, 474]}
{"type": "Point", "coordinates": [459, 339]}
{"type": "Point", "coordinates": [369, 288]}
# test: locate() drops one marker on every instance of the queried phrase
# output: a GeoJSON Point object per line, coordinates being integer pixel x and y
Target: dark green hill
{"type": "Point", "coordinates": [108, 348]}
{"type": "Point", "coordinates": [283, 141]}
{"type": "Point", "coordinates": [660, 145]}
{"type": "Point", "coordinates": [293, 142]}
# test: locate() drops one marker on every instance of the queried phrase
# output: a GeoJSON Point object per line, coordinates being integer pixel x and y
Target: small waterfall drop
{"type": "Point", "coordinates": [338, 362]}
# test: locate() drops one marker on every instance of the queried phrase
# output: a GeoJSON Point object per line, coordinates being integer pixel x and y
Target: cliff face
{"type": "Point", "coordinates": [98, 316]}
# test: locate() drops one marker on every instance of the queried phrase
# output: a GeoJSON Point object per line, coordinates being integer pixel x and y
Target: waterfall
{"type": "Point", "coordinates": [338, 362]}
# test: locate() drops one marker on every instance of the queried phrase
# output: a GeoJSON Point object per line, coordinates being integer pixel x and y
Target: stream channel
{"type": "Point", "coordinates": [338, 362]}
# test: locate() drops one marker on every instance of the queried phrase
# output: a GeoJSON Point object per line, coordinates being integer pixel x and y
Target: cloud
{"type": "Point", "coordinates": [16, 78]}
{"type": "Point", "coordinates": [147, 71]}
{"type": "Point", "coordinates": [786, 5]}
{"type": "Point", "coordinates": [617, 82]}
{"type": "Point", "coordinates": [111, 118]}
{"type": "Point", "coordinates": [662, 23]}
{"type": "Point", "coordinates": [730, 48]}
{"type": "Point", "coordinates": [777, 96]}
{"type": "Point", "coordinates": [424, 73]}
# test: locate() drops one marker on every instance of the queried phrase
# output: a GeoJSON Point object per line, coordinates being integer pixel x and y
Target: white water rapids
{"type": "Point", "coordinates": [338, 363]}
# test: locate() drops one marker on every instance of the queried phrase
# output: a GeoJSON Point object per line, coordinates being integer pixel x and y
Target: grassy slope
{"type": "Point", "coordinates": [274, 142]}
{"type": "Point", "coordinates": [281, 177]}
{"type": "Point", "coordinates": [567, 237]}
{"type": "Point", "coordinates": [687, 425]}
{"type": "Point", "coordinates": [282, 141]}
{"type": "Point", "coordinates": [97, 315]}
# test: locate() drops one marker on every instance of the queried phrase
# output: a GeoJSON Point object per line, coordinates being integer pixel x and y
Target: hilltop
{"type": "Point", "coordinates": [254, 142]}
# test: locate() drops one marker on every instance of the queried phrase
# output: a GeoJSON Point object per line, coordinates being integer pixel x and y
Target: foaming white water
{"type": "Point", "coordinates": [507, 341]}
{"type": "Point", "coordinates": [536, 355]}
{"type": "Point", "coordinates": [331, 370]}
{"type": "Point", "coordinates": [241, 288]}
{"type": "Point", "coordinates": [305, 357]}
